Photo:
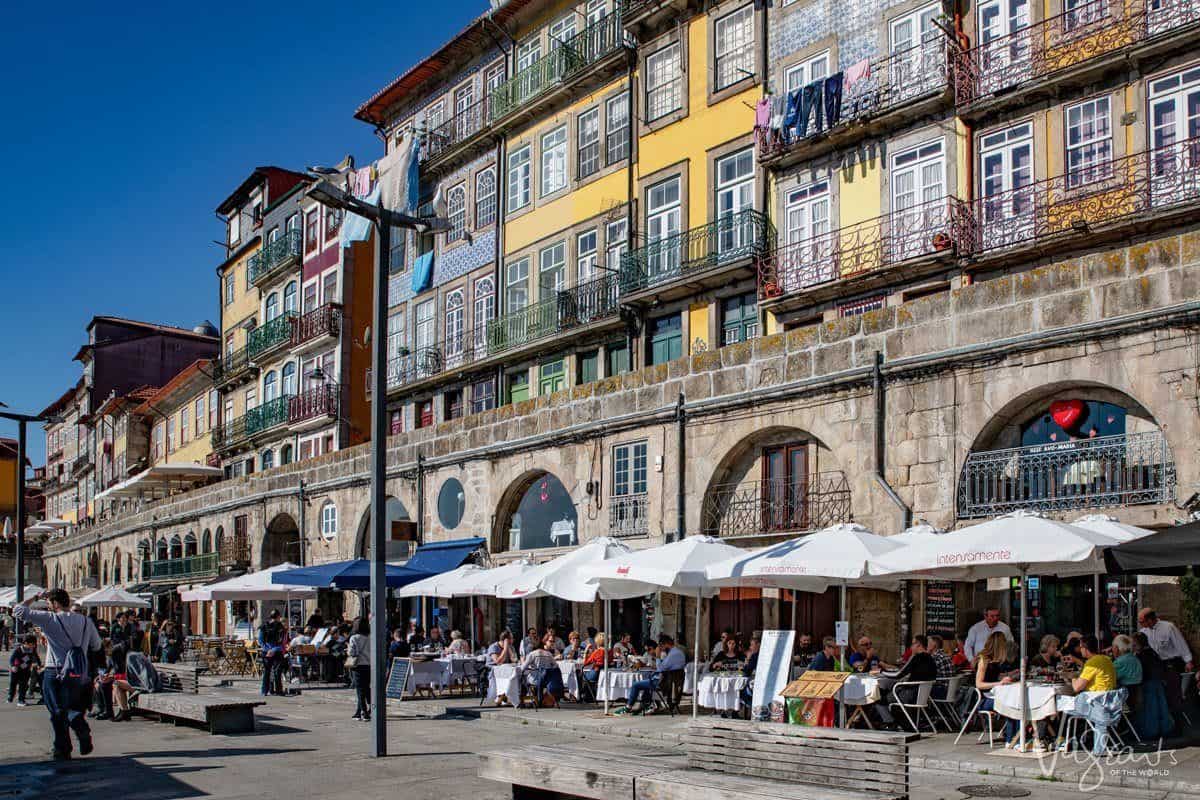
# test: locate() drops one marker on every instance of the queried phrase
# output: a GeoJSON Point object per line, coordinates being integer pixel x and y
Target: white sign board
{"type": "Point", "coordinates": [320, 636]}
{"type": "Point", "coordinates": [841, 632]}
{"type": "Point", "coordinates": [771, 676]}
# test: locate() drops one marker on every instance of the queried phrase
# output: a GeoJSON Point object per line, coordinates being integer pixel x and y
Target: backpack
{"type": "Point", "coordinates": [75, 663]}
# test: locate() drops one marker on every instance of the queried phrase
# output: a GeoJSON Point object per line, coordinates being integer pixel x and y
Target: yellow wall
{"type": "Point", "coordinates": [859, 193]}
{"type": "Point", "coordinates": [194, 448]}
{"type": "Point", "coordinates": [245, 302]}
{"type": "Point", "coordinates": [698, 326]}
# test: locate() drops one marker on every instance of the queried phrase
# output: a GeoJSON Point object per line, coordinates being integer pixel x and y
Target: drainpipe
{"type": "Point", "coordinates": [881, 479]}
{"type": "Point", "coordinates": [420, 498]}
{"type": "Point", "coordinates": [300, 518]}
{"type": "Point", "coordinates": [764, 186]}
{"type": "Point", "coordinates": [630, 217]}
{"type": "Point", "coordinates": [680, 467]}
{"type": "Point", "coordinates": [498, 256]}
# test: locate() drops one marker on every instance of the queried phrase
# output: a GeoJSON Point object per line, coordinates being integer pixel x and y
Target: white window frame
{"type": "Point", "coordinates": [329, 520]}
{"type": "Point", "coordinates": [456, 211]}
{"type": "Point", "coordinates": [733, 48]}
{"type": "Point", "coordinates": [520, 188]}
{"type": "Point", "coordinates": [587, 143]}
{"type": "Point", "coordinates": [425, 324]}
{"type": "Point", "coordinates": [552, 262]}
{"type": "Point", "coordinates": [663, 75]}
{"type": "Point", "coordinates": [454, 323]}
{"type": "Point", "coordinates": [516, 285]}
{"type": "Point", "coordinates": [807, 70]}
{"type": "Point", "coordinates": [616, 242]}
{"type": "Point", "coordinates": [630, 469]}
{"type": "Point", "coordinates": [485, 198]}
{"type": "Point", "coordinates": [1095, 149]}
{"type": "Point", "coordinates": [562, 30]}
{"type": "Point", "coordinates": [616, 129]}
{"type": "Point", "coordinates": [585, 256]}
{"type": "Point", "coordinates": [483, 307]}
{"type": "Point", "coordinates": [554, 161]}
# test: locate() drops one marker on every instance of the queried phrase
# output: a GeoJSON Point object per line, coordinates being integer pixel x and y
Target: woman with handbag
{"type": "Point", "coordinates": [358, 664]}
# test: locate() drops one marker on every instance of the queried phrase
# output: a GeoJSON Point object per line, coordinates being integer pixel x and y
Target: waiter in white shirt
{"type": "Point", "coordinates": [978, 634]}
{"type": "Point", "coordinates": [1166, 640]}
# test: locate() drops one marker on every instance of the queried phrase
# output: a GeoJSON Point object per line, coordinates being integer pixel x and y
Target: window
{"type": "Point", "coordinates": [615, 243]}
{"type": "Point", "coordinates": [518, 178]}
{"type": "Point", "coordinates": [333, 221]}
{"type": "Point", "coordinates": [784, 500]}
{"type": "Point", "coordinates": [310, 296]}
{"type": "Point", "coordinates": [562, 30]}
{"type": "Point", "coordinates": [1005, 169]}
{"type": "Point", "coordinates": [1174, 127]}
{"type": "Point", "coordinates": [918, 185]}
{"type": "Point", "coordinates": [735, 47]}
{"type": "Point", "coordinates": [395, 334]}
{"type": "Point", "coordinates": [554, 160]}
{"type": "Point", "coordinates": [485, 198]}
{"type": "Point", "coordinates": [663, 71]}
{"type": "Point", "coordinates": [424, 413]}
{"type": "Point", "coordinates": [453, 400]}
{"type": "Point", "coordinates": [184, 425]}
{"type": "Point", "coordinates": [1088, 142]}
{"type": "Point", "coordinates": [159, 430]}
{"type": "Point", "coordinates": [806, 212]}
{"type": "Point", "coordinates": [483, 396]}
{"type": "Point", "coordinates": [589, 143]}
{"type": "Point", "coordinates": [228, 418]}
{"type": "Point", "coordinates": [456, 209]}
{"type": "Point", "coordinates": [860, 306]}
{"type": "Point", "coordinates": [289, 379]}
{"type": "Point", "coordinates": [285, 455]}
{"type": "Point", "coordinates": [551, 269]}
{"type": "Point", "coordinates": [435, 116]}
{"type": "Point", "coordinates": [1079, 13]}
{"type": "Point", "coordinates": [235, 227]}
{"type": "Point", "coordinates": [272, 307]}
{"type": "Point", "coordinates": [588, 366]}
{"type": "Point", "coordinates": [666, 339]}
{"type": "Point", "coordinates": [464, 99]}
{"type": "Point", "coordinates": [230, 285]}
{"type": "Point", "coordinates": [739, 318]}
{"type": "Point", "coordinates": [212, 409]}
{"type": "Point", "coordinates": [329, 520]}
{"type": "Point", "coordinates": [451, 503]}
{"type": "Point", "coordinates": [616, 129]}
{"type": "Point", "coordinates": [251, 398]}
{"type": "Point", "coordinates": [585, 258]}
{"type": "Point", "coordinates": [552, 377]}
{"type": "Point", "coordinates": [662, 222]}
{"type": "Point", "coordinates": [484, 309]}
{"type": "Point", "coordinates": [311, 225]}
{"type": "Point", "coordinates": [170, 435]}
{"type": "Point", "coordinates": [494, 77]}
{"type": "Point", "coordinates": [329, 287]}
{"type": "Point", "coordinates": [452, 334]}
{"type": "Point", "coordinates": [425, 329]}
{"type": "Point", "coordinates": [398, 251]}
{"type": "Point", "coordinates": [199, 416]}
{"type": "Point", "coordinates": [516, 386]}
{"type": "Point", "coordinates": [596, 11]}
{"type": "Point", "coordinates": [629, 469]}
{"type": "Point", "coordinates": [812, 68]}
{"type": "Point", "coordinates": [289, 298]}
{"type": "Point", "coordinates": [268, 459]}
{"type": "Point", "coordinates": [270, 387]}
{"type": "Point", "coordinates": [396, 423]}
{"type": "Point", "coordinates": [516, 288]}
{"type": "Point", "coordinates": [735, 193]}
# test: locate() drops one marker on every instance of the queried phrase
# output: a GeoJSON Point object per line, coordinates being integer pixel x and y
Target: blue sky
{"type": "Point", "coordinates": [125, 126]}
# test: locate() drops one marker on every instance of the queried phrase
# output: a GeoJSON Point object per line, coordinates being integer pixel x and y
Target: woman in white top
{"type": "Point", "coordinates": [458, 645]}
{"type": "Point", "coordinates": [358, 657]}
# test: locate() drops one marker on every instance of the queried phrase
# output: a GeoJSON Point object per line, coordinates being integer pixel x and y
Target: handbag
{"type": "Point", "coordinates": [351, 662]}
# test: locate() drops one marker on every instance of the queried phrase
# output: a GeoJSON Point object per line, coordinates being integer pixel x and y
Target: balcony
{"type": "Point", "coordinates": [234, 550]}
{"type": "Point", "coordinates": [1070, 48]}
{"type": "Point", "coordinates": [700, 255]}
{"type": "Point", "coordinates": [229, 434]}
{"type": "Point", "coordinates": [576, 309]}
{"type": "Point", "coordinates": [461, 135]}
{"type": "Point", "coordinates": [903, 244]}
{"type": "Point", "coordinates": [317, 324]}
{"type": "Point", "coordinates": [316, 403]}
{"type": "Point", "coordinates": [233, 367]}
{"type": "Point", "coordinates": [268, 415]}
{"type": "Point", "coordinates": [893, 89]}
{"type": "Point", "coordinates": [267, 338]}
{"type": "Point", "coordinates": [1106, 199]}
{"type": "Point", "coordinates": [765, 507]}
{"type": "Point", "coordinates": [81, 464]}
{"type": "Point", "coordinates": [180, 569]}
{"type": "Point", "coordinates": [54, 454]}
{"type": "Point", "coordinates": [274, 258]}
{"type": "Point", "coordinates": [566, 66]}
{"type": "Point", "coordinates": [628, 516]}
{"type": "Point", "coordinates": [1128, 469]}
{"type": "Point", "coordinates": [648, 15]}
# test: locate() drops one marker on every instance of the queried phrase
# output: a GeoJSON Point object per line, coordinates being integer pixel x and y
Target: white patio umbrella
{"type": "Point", "coordinates": [484, 584]}
{"type": "Point", "coordinates": [114, 597]}
{"type": "Point", "coordinates": [678, 567]}
{"type": "Point", "coordinates": [1109, 526]}
{"type": "Point", "coordinates": [8, 595]}
{"type": "Point", "coordinates": [998, 548]}
{"type": "Point", "coordinates": [444, 585]}
{"type": "Point", "coordinates": [251, 586]}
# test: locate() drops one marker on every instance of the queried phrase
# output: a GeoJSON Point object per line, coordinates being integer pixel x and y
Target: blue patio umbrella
{"type": "Point", "coordinates": [353, 575]}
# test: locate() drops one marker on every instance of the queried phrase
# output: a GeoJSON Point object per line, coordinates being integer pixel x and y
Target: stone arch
{"type": "Point", "coordinates": [281, 541]}
{"type": "Point", "coordinates": [206, 541]}
{"type": "Point", "coordinates": [397, 514]}
{"type": "Point", "coordinates": [191, 546]}
{"type": "Point", "coordinates": [104, 574]}
{"type": "Point", "coordinates": [778, 479]}
{"type": "Point", "coordinates": [219, 539]}
{"type": "Point", "coordinates": [118, 566]}
{"type": "Point", "coordinates": [176, 547]}
{"type": "Point", "coordinates": [528, 510]}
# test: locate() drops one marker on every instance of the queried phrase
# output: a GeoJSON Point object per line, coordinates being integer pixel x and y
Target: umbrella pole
{"type": "Point", "coordinates": [608, 637]}
{"type": "Point", "coordinates": [472, 623]}
{"type": "Point", "coordinates": [1096, 601]}
{"type": "Point", "coordinates": [1024, 687]}
{"type": "Point", "coordinates": [841, 651]}
{"type": "Point", "coordinates": [696, 659]}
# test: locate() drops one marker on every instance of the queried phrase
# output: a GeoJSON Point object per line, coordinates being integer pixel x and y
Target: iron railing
{"type": "Point", "coordinates": [234, 550]}
{"type": "Point", "coordinates": [628, 516]}
{"type": "Point", "coordinates": [81, 463]}
{"type": "Point", "coordinates": [274, 257]}
{"type": "Point", "coordinates": [462, 126]}
{"type": "Point", "coordinates": [231, 366]}
{"type": "Point", "coordinates": [228, 434]}
{"type": "Point", "coordinates": [203, 565]}
{"type": "Point", "coordinates": [270, 335]}
{"type": "Point", "coordinates": [1127, 469]}
{"type": "Point", "coordinates": [924, 230]}
{"type": "Point", "coordinates": [1099, 194]}
{"type": "Point", "coordinates": [324, 320]}
{"type": "Point", "coordinates": [767, 506]}
{"type": "Point", "coordinates": [268, 415]}
{"type": "Point", "coordinates": [883, 85]}
{"type": "Point", "coordinates": [317, 401]}
{"type": "Point", "coordinates": [743, 234]}
{"type": "Point", "coordinates": [1033, 53]}
{"type": "Point", "coordinates": [562, 63]}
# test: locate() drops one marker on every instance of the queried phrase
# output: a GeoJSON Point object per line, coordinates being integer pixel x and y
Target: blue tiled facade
{"type": "Point", "coordinates": [856, 26]}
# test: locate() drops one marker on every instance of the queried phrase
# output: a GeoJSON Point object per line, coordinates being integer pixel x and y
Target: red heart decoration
{"type": "Point", "coordinates": [1067, 413]}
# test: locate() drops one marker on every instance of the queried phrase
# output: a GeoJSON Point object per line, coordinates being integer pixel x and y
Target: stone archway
{"type": "Point", "coordinates": [535, 511]}
{"type": "Point", "coordinates": [281, 542]}
{"type": "Point", "coordinates": [402, 532]}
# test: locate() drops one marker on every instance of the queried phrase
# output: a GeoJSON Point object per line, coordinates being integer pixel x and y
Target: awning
{"type": "Point", "coordinates": [353, 575]}
{"type": "Point", "coordinates": [160, 480]}
{"type": "Point", "coordinates": [435, 558]}
{"type": "Point", "coordinates": [1170, 551]}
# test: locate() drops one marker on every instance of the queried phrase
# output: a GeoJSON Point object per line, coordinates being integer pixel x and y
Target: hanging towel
{"type": "Point", "coordinates": [855, 73]}
{"type": "Point", "coordinates": [762, 113]}
{"type": "Point", "coordinates": [833, 99]}
{"type": "Point", "coordinates": [362, 182]}
{"type": "Point", "coordinates": [778, 110]}
{"type": "Point", "coordinates": [422, 274]}
{"type": "Point", "coordinates": [356, 228]}
{"type": "Point", "coordinates": [414, 178]}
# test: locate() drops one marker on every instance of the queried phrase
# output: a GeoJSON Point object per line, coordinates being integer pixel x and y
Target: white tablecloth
{"type": "Point", "coordinates": [722, 692]}
{"type": "Point", "coordinates": [429, 673]}
{"type": "Point", "coordinates": [570, 676]}
{"type": "Point", "coordinates": [458, 667]}
{"type": "Point", "coordinates": [505, 680]}
{"type": "Point", "coordinates": [1042, 704]}
{"type": "Point", "coordinates": [615, 684]}
{"type": "Point", "coordinates": [862, 689]}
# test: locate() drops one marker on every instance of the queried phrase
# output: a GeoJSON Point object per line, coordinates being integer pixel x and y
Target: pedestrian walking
{"type": "Point", "coordinates": [270, 642]}
{"type": "Point", "coordinates": [5, 630]}
{"type": "Point", "coordinates": [358, 662]}
{"type": "Point", "coordinates": [23, 664]}
{"type": "Point", "coordinates": [66, 681]}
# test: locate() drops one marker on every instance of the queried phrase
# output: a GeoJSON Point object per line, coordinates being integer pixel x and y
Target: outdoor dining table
{"type": "Point", "coordinates": [434, 674]}
{"type": "Point", "coordinates": [505, 680]}
{"type": "Point", "coordinates": [862, 689]}
{"type": "Point", "coordinates": [721, 691]}
{"type": "Point", "coordinates": [570, 675]}
{"type": "Point", "coordinates": [615, 684]}
{"type": "Point", "coordinates": [1043, 699]}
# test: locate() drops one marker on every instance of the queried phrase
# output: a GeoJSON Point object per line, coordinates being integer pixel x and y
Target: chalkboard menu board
{"type": "Point", "coordinates": [398, 678]}
{"type": "Point", "coordinates": [939, 608]}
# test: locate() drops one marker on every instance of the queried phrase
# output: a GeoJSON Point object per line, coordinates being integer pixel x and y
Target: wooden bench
{"type": "Point", "coordinates": [180, 677]}
{"type": "Point", "coordinates": [725, 758]}
{"type": "Point", "coordinates": [217, 714]}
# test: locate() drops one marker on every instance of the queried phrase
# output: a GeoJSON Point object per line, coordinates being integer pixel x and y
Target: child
{"type": "Point", "coordinates": [22, 664]}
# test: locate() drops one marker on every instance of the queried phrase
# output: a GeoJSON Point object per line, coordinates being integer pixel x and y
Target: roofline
{"type": "Point", "coordinates": [66, 396]}
{"type": "Point", "coordinates": [170, 387]}
{"type": "Point", "coordinates": [256, 175]}
{"type": "Point", "coordinates": [241, 251]}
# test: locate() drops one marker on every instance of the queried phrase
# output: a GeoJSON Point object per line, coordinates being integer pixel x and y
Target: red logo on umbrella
{"type": "Point", "coordinates": [622, 570]}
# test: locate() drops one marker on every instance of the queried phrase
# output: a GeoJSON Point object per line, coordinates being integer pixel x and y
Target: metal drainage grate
{"type": "Point", "coordinates": [993, 790]}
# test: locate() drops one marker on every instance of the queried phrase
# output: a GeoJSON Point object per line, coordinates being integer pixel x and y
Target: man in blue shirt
{"type": "Point", "coordinates": [826, 660]}
{"type": "Point", "coordinates": [670, 659]}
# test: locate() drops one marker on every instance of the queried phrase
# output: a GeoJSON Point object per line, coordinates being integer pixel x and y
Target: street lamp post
{"type": "Point", "coordinates": [22, 420]}
{"type": "Point", "coordinates": [384, 220]}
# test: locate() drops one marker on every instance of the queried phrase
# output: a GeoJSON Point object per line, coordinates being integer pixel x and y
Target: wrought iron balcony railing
{"type": "Point", "coordinates": [229, 434]}
{"type": "Point", "coordinates": [234, 550]}
{"type": "Point", "coordinates": [232, 366]}
{"type": "Point", "coordinates": [462, 126]}
{"type": "Point", "coordinates": [743, 234]}
{"type": "Point", "coordinates": [1103, 194]}
{"type": "Point", "coordinates": [1128, 469]}
{"type": "Point", "coordinates": [274, 258]}
{"type": "Point", "coordinates": [628, 516]}
{"type": "Point", "coordinates": [768, 506]}
{"type": "Point", "coordinates": [884, 85]}
{"type": "Point", "coordinates": [268, 415]}
{"type": "Point", "coordinates": [322, 321]}
{"type": "Point", "coordinates": [941, 226]}
{"type": "Point", "coordinates": [271, 335]}
{"type": "Point", "coordinates": [560, 65]}
{"type": "Point", "coordinates": [318, 401]}
{"type": "Point", "coordinates": [1092, 30]}
{"type": "Point", "coordinates": [203, 565]}
{"type": "Point", "coordinates": [82, 463]}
